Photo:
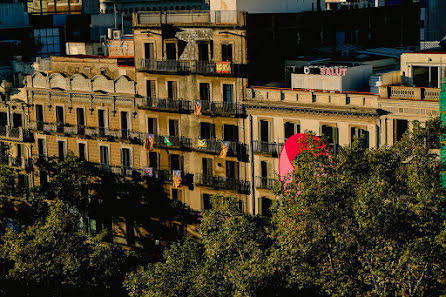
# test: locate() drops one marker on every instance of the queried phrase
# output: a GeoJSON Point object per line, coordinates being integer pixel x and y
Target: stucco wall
{"type": "Point", "coordinates": [266, 6]}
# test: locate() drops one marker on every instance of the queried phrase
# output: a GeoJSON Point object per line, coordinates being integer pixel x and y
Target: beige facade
{"type": "Point", "coordinates": [104, 110]}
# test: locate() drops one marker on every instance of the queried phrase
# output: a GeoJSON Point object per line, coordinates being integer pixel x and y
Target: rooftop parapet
{"type": "Point", "coordinates": [409, 93]}
{"type": "Point", "coordinates": [189, 18]}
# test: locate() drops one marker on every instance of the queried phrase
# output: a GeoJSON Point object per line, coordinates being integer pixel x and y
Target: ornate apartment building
{"type": "Point", "coordinates": [181, 111]}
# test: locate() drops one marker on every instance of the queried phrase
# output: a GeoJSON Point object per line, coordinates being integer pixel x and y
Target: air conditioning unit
{"type": "Point", "coordinates": [117, 34]}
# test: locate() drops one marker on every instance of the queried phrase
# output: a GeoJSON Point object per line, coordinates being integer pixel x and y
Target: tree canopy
{"type": "Point", "coordinates": [365, 223]}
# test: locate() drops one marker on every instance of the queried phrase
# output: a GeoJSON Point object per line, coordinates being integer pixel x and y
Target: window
{"type": "Point", "coordinates": [153, 159]}
{"type": "Point", "coordinates": [80, 121]}
{"type": "Point", "coordinates": [82, 151]}
{"type": "Point", "coordinates": [175, 162]}
{"type": "Point", "coordinates": [49, 39]}
{"type": "Point", "coordinates": [152, 127]}
{"type": "Point", "coordinates": [227, 93]}
{"type": "Point", "coordinates": [125, 158]}
{"type": "Point", "coordinates": [39, 116]}
{"type": "Point", "coordinates": [171, 51]}
{"type": "Point", "coordinates": [226, 52]}
{"type": "Point", "coordinates": [207, 166]}
{"type": "Point", "coordinates": [230, 133]}
{"type": "Point", "coordinates": [360, 134]}
{"type": "Point", "coordinates": [124, 124]}
{"type": "Point", "coordinates": [231, 169]}
{"type": "Point", "coordinates": [177, 195]}
{"type": "Point", "coordinates": [313, 98]}
{"type": "Point", "coordinates": [330, 133]}
{"type": "Point", "coordinates": [265, 206]}
{"type": "Point", "coordinates": [59, 119]}
{"type": "Point", "coordinates": [3, 119]}
{"type": "Point", "coordinates": [103, 150]}
{"type": "Point", "coordinates": [206, 201]}
{"type": "Point", "coordinates": [173, 128]}
{"type": "Point", "coordinates": [207, 131]}
{"type": "Point", "coordinates": [205, 94]}
{"type": "Point", "coordinates": [41, 147]}
{"type": "Point", "coordinates": [264, 131]}
{"type": "Point", "coordinates": [400, 127]}
{"type": "Point", "coordinates": [264, 169]}
{"type": "Point", "coordinates": [101, 122]}
{"type": "Point", "coordinates": [16, 120]}
{"type": "Point", "coordinates": [291, 129]}
{"type": "Point", "coordinates": [151, 90]}
{"type": "Point", "coordinates": [172, 89]}
{"type": "Point", "coordinates": [203, 51]}
{"type": "Point", "coordinates": [61, 149]}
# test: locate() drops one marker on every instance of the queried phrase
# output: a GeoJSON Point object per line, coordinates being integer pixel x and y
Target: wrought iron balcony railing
{"type": "Point", "coordinates": [269, 148]}
{"type": "Point", "coordinates": [193, 67]}
{"type": "Point", "coordinates": [16, 133]}
{"type": "Point", "coordinates": [222, 108]}
{"type": "Point", "coordinates": [166, 104]}
{"type": "Point", "coordinates": [213, 146]}
{"type": "Point", "coordinates": [223, 183]}
{"type": "Point", "coordinates": [265, 183]}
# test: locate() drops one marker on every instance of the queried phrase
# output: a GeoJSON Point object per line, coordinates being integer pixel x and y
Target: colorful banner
{"type": "Point", "coordinates": [176, 178]}
{"type": "Point", "coordinates": [224, 149]}
{"type": "Point", "coordinates": [167, 141]}
{"type": "Point", "coordinates": [202, 143]}
{"type": "Point", "coordinates": [148, 171]}
{"type": "Point", "coordinates": [148, 145]}
{"type": "Point", "coordinates": [223, 67]}
{"type": "Point", "coordinates": [197, 110]}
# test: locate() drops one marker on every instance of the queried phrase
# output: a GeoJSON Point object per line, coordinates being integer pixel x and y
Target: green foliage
{"type": "Point", "coordinates": [366, 223]}
{"type": "Point", "coordinates": [7, 181]}
{"type": "Point", "coordinates": [53, 258]}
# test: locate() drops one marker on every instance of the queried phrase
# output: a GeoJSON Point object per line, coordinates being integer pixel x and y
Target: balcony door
{"type": "Point", "coordinates": [173, 128]}
{"type": "Point", "coordinates": [149, 51]}
{"type": "Point", "coordinates": [17, 120]}
{"type": "Point", "coordinates": [124, 125]}
{"type": "Point", "coordinates": [228, 92]}
{"type": "Point", "coordinates": [230, 133]}
{"type": "Point", "coordinates": [226, 52]}
{"type": "Point", "coordinates": [232, 169]}
{"type": "Point", "coordinates": [125, 158]}
{"type": "Point", "coordinates": [172, 89]}
{"type": "Point", "coordinates": [39, 116]}
{"type": "Point", "coordinates": [101, 122]}
{"type": "Point", "coordinates": [203, 51]}
{"type": "Point", "coordinates": [205, 92]}
{"type": "Point", "coordinates": [207, 131]}
{"type": "Point", "coordinates": [59, 118]}
{"type": "Point", "coordinates": [206, 164]}
{"type": "Point", "coordinates": [103, 151]}
{"type": "Point", "coordinates": [264, 131]}
{"type": "Point", "coordinates": [171, 51]}
{"type": "Point", "coordinates": [80, 121]}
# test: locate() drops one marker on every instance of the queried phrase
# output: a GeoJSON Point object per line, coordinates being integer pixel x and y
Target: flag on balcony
{"type": "Point", "coordinates": [224, 149]}
{"type": "Point", "coordinates": [176, 178]}
{"type": "Point", "coordinates": [223, 67]}
{"type": "Point", "coordinates": [148, 145]}
{"type": "Point", "coordinates": [167, 141]}
{"type": "Point", "coordinates": [202, 143]}
{"type": "Point", "coordinates": [148, 171]}
{"type": "Point", "coordinates": [197, 109]}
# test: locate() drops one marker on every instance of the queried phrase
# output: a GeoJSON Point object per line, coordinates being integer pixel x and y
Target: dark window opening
{"type": "Point", "coordinates": [172, 89]}
{"type": "Point", "coordinates": [153, 160]}
{"type": "Point", "coordinates": [176, 162]}
{"type": "Point", "coordinates": [152, 126]}
{"type": "Point", "coordinates": [266, 204]}
{"type": "Point", "coordinates": [80, 121]}
{"type": "Point", "coordinates": [203, 52]}
{"type": "Point", "coordinates": [149, 51]}
{"type": "Point", "coordinates": [125, 158]}
{"type": "Point", "coordinates": [173, 128]}
{"type": "Point", "coordinates": [101, 122]}
{"type": "Point", "coordinates": [205, 92]}
{"type": "Point", "coordinates": [227, 93]}
{"type": "Point", "coordinates": [171, 51]}
{"type": "Point", "coordinates": [206, 201]}
{"type": "Point", "coordinates": [151, 91]}
{"type": "Point", "coordinates": [231, 169]}
{"type": "Point", "coordinates": [207, 166]}
{"type": "Point", "coordinates": [361, 134]}
{"type": "Point", "coordinates": [401, 127]}
{"type": "Point", "coordinates": [59, 118]}
{"type": "Point", "coordinates": [230, 133]}
{"type": "Point", "coordinates": [226, 52]}
{"type": "Point", "coordinates": [82, 152]}
{"type": "Point", "coordinates": [291, 129]}
{"type": "Point", "coordinates": [207, 131]}
{"type": "Point", "coordinates": [16, 120]}
{"type": "Point", "coordinates": [61, 149]}
{"type": "Point", "coordinates": [264, 131]}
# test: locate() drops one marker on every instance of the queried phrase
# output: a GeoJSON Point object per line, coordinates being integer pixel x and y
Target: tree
{"type": "Point", "coordinates": [370, 225]}
{"type": "Point", "coordinates": [52, 258]}
{"type": "Point", "coordinates": [365, 223]}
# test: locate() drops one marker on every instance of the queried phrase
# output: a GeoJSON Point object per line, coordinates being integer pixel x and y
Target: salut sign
{"type": "Point", "coordinates": [332, 71]}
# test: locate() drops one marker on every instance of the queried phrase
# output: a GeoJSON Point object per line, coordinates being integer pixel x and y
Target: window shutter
{"type": "Point", "coordinates": [212, 131]}
{"type": "Point", "coordinates": [152, 89]}
{"type": "Point", "coordinates": [174, 90]}
{"type": "Point", "coordinates": [155, 126]}
{"type": "Point", "coordinates": [181, 163]}
{"type": "Point", "coordinates": [170, 162]}
{"type": "Point", "coordinates": [176, 127]}
{"type": "Point", "coordinates": [335, 135]}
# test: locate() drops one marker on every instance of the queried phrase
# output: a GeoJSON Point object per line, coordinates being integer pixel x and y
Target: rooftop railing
{"type": "Point", "coordinates": [223, 17]}
{"type": "Point", "coordinates": [411, 93]}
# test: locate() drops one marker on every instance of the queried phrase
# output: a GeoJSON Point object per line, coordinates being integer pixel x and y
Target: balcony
{"type": "Point", "coordinates": [212, 146]}
{"type": "Point", "coordinates": [222, 108]}
{"type": "Point", "coordinates": [192, 67]}
{"type": "Point", "coordinates": [169, 105]}
{"type": "Point", "coordinates": [265, 183]}
{"type": "Point", "coordinates": [268, 148]}
{"type": "Point", "coordinates": [223, 183]}
{"type": "Point", "coordinates": [409, 93]}
{"type": "Point", "coordinates": [11, 133]}
{"type": "Point", "coordinates": [174, 142]}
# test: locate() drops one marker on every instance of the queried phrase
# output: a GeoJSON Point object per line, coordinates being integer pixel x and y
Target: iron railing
{"type": "Point", "coordinates": [223, 183]}
{"type": "Point", "coordinates": [173, 105]}
{"type": "Point", "coordinates": [17, 133]}
{"type": "Point", "coordinates": [192, 67]}
{"type": "Point", "coordinates": [222, 108]}
{"type": "Point", "coordinates": [269, 148]}
{"type": "Point", "coordinates": [265, 183]}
